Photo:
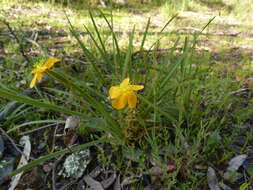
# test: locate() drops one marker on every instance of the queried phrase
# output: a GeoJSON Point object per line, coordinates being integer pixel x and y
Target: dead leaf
{"type": "Point", "coordinates": [95, 172]}
{"type": "Point", "coordinates": [128, 181]}
{"type": "Point", "coordinates": [109, 181]}
{"type": "Point", "coordinates": [234, 165]}
{"type": "Point", "coordinates": [94, 185]}
{"type": "Point", "coordinates": [156, 171]}
{"type": "Point", "coordinates": [225, 187]}
{"type": "Point", "coordinates": [212, 179]}
{"type": "Point", "coordinates": [246, 81]}
{"type": "Point", "coordinates": [23, 161]}
{"type": "Point", "coordinates": [117, 184]}
{"type": "Point", "coordinates": [70, 136]}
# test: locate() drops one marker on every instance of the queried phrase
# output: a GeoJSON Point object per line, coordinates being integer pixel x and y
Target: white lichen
{"type": "Point", "coordinates": [75, 164]}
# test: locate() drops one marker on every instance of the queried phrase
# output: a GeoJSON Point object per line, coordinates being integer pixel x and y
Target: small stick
{"type": "Point", "coordinates": [54, 137]}
{"type": "Point", "coordinates": [40, 128]}
{"type": "Point", "coordinates": [243, 90]}
{"type": "Point", "coordinates": [66, 186]}
{"type": "Point", "coordinates": [36, 44]}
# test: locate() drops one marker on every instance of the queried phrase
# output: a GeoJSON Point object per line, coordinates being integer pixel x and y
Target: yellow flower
{"type": "Point", "coordinates": [123, 94]}
{"type": "Point", "coordinates": [40, 69]}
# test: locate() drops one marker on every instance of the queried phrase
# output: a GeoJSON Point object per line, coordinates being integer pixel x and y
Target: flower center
{"type": "Point", "coordinates": [126, 89]}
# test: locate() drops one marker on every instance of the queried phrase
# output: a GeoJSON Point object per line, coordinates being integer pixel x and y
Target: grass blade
{"type": "Point", "coordinates": [172, 18]}
{"type": "Point", "coordinates": [168, 116]}
{"type": "Point", "coordinates": [102, 52]}
{"type": "Point", "coordinates": [86, 52]}
{"type": "Point", "coordinates": [55, 154]}
{"type": "Point", "coordinates": [98, 33]}
{"type": "Point", "coordinates": [126, 66]}
{"type": "Point", "coordinates": [112, 31]}
{"type": "Point", "coordinates": [145, 35]}
{"type": "Point", "coordinates": [26, 100]}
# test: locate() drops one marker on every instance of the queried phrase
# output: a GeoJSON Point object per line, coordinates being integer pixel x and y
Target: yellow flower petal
{"type": "Point", "coordinates": [39, 76]}
{"type": "Point", "coordinates": [136, 87]}
{"type": "Point", "coordinates": [32, 84]}
{"type": "Point", "coordinates": [40, 69]}
{"type": "Point", "coordinates": [115, 92]}
{"type": "Point", "coordinates": [132, 100]}
{"type": "Point", "coordinates": [120, 102]}
{"type": "Point", "coordinates": [124, 83]}
{"type": "Point", "coordinates": [50, 62]}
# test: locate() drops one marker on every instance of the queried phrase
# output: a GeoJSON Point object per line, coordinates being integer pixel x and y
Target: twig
{"type": "Point", "coordinates": [54, 167]}
{"type": "Point", "coordinates": [240, 91]}
{"type": "Point", "coordinates": [53, 171]}
{"type": "Point", "coordinates": [21, 47]}
{"type": "Point", "coordinates": [40, 128]}
{"type": "Point", "coordinates": [54, 135]}
{"type": "Point", "coordinates": [71, 59]}
{"type": "Point", "coordinates": [36, 44]}
{"type": "Point", "coordinates": [66, 186]}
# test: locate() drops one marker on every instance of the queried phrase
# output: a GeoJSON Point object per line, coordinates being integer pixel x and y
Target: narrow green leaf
{"type": "Point", "coordinates": [162, 31]}
{"type": "Point", "coordinates": [197, 34]}
{"type": "Point", "coordinates": [126, 66]}
{"type": "Point", "coordinates": [168, 116]}
{"type": "Point", "coordinates": [86, 52]}
{"type": "Point", "coordinates": [102, 52]}
{"type": "Point", "coordinates": [55, 154]}
{"type": "Point", "coordinates": [244, 186]}
{"type": "Point", "coordinates": [98, 33]}
{"type": "Point", "coordinates": [26, 100]}
{"type": "Point", "coordinates": [145, 35]}
{"type": "Point", "coordinates": [112, 31]}
{"type": "Point", "coordinates": [171, 72]}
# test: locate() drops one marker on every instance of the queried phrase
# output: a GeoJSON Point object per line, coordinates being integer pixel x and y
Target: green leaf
{"type": "Point", "coordinates": [244, 186]}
